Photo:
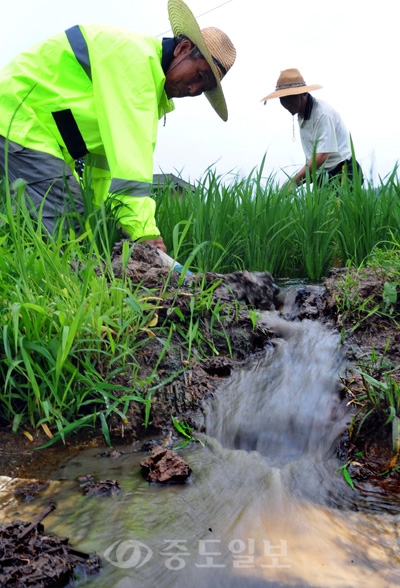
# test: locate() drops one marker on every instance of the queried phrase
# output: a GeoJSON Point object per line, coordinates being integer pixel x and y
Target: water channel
{"type": "Point", "coordinates": [265, 505]}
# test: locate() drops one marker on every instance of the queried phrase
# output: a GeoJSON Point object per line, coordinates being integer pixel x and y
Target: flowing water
{"type": "Point", "coordinates": [265, 505]}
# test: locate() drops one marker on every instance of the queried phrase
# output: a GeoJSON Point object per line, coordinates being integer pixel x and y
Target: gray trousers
{"type": "Point", "coordinates": [50, 184]}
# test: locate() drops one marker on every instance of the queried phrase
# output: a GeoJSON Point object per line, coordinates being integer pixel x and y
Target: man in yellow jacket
{"type": "Point", "coordinates": [99, 91]}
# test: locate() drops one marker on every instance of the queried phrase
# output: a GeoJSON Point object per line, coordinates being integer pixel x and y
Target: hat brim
{"type": "Point", "coordinates": [184, 23]}
{"type": "Point", "coordinates": [291, 92]}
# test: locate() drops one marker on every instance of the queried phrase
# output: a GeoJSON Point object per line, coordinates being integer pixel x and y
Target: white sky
{"type": "Point", "coordinates": [349, 47]}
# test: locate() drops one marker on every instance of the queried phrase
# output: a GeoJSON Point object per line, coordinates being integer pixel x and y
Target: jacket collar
{"type": "Point", "coordinates": [168, 46]}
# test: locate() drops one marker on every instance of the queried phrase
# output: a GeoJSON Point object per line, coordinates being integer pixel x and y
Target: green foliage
{"type": "Point", "coordinates": [315, 229]}
{"type": "Point", "coordinates": [186, 431]}
{"type": "Point", "coordinates": [70, 331]}
{"type": "Point", "coordinates": [62, 322]}
{"type": "Point", "coordinates": [389, 296]}
{"type": "Point", "coordinates": [379, 398]}
{"type": "Point", "coordinates": [352, 303]}
{"type": "Point", "coordinates": [236, 223]}
{"type": "Point", "coordinates": [203, 319]}
{"type": "Point", "coordinates": [346, 474]}
{"type": "Point", "coordinates": [382, 396]}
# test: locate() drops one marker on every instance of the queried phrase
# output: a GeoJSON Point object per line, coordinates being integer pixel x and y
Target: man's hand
{"type": "Point", "coordinates": [159, 243]}
{"type": "Point", "coordinates": [289, 187]}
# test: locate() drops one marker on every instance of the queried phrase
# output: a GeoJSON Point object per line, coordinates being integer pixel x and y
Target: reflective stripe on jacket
{"type": "Point", "coordinates": [93, 89]}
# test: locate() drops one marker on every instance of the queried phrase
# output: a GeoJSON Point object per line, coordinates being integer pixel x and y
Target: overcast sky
{"type": "Point", "coordinates": [350, 48]}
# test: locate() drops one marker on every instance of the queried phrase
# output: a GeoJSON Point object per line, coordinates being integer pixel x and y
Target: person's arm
{"type": "Point", "coordinates": [319, 159]}
{"type": "Point", "coordinates": [128, 85]}
{"type": "Point", "coordinates": [100, 183]}
{"type": "Point", "coordinates": [325, 143]}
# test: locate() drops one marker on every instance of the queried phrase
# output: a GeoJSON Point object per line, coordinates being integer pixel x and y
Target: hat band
{"type": "Point", "coordinates": [219, 64]}
{"type": "Point", "coordinates": [292, 85]}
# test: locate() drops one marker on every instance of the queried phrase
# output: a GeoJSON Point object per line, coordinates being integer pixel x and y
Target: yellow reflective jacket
{"type": "Point", "coordinates": [96, 90]}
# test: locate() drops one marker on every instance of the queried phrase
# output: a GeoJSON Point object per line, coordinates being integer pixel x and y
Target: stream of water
{"type": "Point", "coordinates": [265, 505]}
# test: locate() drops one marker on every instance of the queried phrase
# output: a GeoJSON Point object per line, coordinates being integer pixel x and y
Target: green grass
{"type": "Point", "coordinates": [70, 330]}
{"type": "Point", "coordinates": [250, 223]}
{"type": "Point", "coordinates": [377, 393]}
{"type": "Point", "coordinates": [61, 322]}
{"type": "Point", "coordinates": [379, 401]}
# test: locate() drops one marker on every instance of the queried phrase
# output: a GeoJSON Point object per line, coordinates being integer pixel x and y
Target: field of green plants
{"type": "Point", "coordinates": [251, 223]}
{"type": "Point", "coordinates": [69, 328]}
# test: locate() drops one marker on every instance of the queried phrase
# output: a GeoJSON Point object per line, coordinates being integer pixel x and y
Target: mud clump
{"type": "Point", "coordinates": [164, 466]}
{"type": "Point", "coordinates": [100, 488]}
{"type": "Point", "coordinates": [29, 558]}
{"type": "Point", "coordinates": [27, 491]}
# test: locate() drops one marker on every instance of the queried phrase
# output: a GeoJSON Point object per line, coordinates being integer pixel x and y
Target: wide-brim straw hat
{"type": "Point", "coordinates": [289, 83]}
{"type": "Point", "coordinates": [215, 46]}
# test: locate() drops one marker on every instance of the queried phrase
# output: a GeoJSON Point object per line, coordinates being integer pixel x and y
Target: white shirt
{"type": "Point", "coordinates": [327, 131]}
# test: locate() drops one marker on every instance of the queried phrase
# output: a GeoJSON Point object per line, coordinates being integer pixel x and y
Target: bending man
{"type": "Point", "coordinates": [324, 136]}
{"type": "Point", "coordinates": [99, 91]}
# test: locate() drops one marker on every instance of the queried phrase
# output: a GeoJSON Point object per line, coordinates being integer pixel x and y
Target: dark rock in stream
{"type": "Point", "coordinates": [165, 466]}
{"type": "Point", "coordinates": [101, 488]}
{"type": "Point", "coordinates": [309, 303]}
{"type": "Point", "coordinates": [31, 559]}
{"type": "Point", "coordinates": [28, 490]}
{"type": "Point", "coordinates": [148, 445]}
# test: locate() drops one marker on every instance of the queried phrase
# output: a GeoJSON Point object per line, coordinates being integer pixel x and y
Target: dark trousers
{"type": "Point", "coordinates": [346, 168]}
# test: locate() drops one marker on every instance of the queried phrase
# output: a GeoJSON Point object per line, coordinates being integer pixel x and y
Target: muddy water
{"type": "Point", "coordinates": [265, 506]}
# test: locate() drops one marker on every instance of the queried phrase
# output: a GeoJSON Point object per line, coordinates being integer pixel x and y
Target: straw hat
{"type": "Point", "coordinates": [215, 46]}
{"type": "Point", "coordinates": [290, 82]}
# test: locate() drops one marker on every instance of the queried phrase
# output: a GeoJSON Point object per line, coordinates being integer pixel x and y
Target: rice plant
{"type": "Point", "coordinates": [380, 405]}
{"type": "Point", "coordinates": [251, 223]}
{"type": "Point", "coordinates": [315, 228]}
{"type": "Point", "coordinates": [67, 331]}
{"type": "Point", "coordinates": [242, 224]}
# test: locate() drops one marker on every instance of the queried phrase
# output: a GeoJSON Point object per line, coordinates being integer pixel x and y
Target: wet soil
{"type": "Point", "coordinates": [368, 455]}
{"type": "Point", "coordinates": [31, 558]}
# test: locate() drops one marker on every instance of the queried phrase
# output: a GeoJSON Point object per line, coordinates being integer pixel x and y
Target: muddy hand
{"type": "Point", "coordinates": [159, 243]}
